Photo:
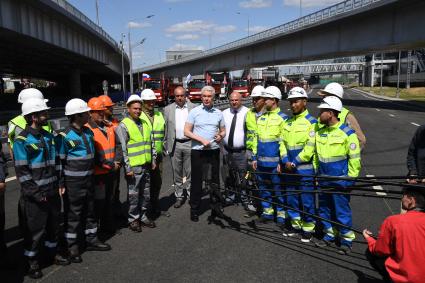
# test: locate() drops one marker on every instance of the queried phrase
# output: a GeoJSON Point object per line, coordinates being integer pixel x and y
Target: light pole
{"type": "Point", "coordinates": [97, 12]}
{"type": "Point", "coordinates": [301, 8]}
{"type": "Point", "coordinates": [130, 53]}
{"type": "Point", "coordinates": [398, 74]}
{"type": "Point", "coordinates": [122, 64]}
{"type": "Point", "coordinates": [131, 59]}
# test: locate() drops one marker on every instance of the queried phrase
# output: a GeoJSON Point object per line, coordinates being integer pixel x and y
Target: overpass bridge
{"type": "Point", "coordinates": [350, 28]}
{"type": "Point", "coordinates": [51, 39]}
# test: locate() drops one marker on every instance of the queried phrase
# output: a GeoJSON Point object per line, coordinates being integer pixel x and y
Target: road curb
{"type": "Point", "coordinates": [378, 96]}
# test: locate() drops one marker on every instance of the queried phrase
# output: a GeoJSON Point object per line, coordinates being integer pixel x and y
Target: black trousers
{"type": "Point", "coordinates": [2, 224]}
{"type": "Point", "coordinates": [103, 195]}
{"type": "Point", "coordinates": [378, 263]}
{"type": "Point", "coordinates": [79, 211]}
{"type": "Point", "coordinates": [155, 189]}
{"type": "Point", "coordinates": [199, 158]}
{"type": "Point", "coordinates": [39, 219]}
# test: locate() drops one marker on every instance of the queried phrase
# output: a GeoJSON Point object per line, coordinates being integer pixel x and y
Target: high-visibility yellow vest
{"type": "Point", "coordinates": [139, 144]}
{"type": "Point", "coordinates": [19, 121]}
{"type": "Point", "coordinates": [251, 128]}
{"type": "Point", "coordinates": [157, 129]}
{"type": "Point", "coordinates": [343, 115]}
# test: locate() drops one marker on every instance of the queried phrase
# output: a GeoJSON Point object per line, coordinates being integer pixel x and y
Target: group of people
{"type": "Point", "coordinates": [281, 153]}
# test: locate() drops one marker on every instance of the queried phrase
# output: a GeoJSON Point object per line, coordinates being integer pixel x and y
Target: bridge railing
{"type": "Point", "coordinates": [322, 15]}
{"type": "Point", "coordinates": [79, 15]}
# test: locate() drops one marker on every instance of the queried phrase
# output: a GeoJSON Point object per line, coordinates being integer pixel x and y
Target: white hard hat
{"type": "Point", "coordinates": [273, 92]}
{"type": "Point", "coordinates": [333, 89]}
{"type": "Point", "coordinates": [147, 94]}
{"type": "Point", "coordinates": [75, 106]}
{"type": "Point", "coordinates": [33, 105]}
{"type": "Point", "coordinates": [30, 93]}
{"type": "Point", "coordinates": [297, 92]}
{"type": "Point", "coordinates": [133, 97]}
{"type": "Point", "coordinates": [257, 91]}
{"type": "Point", "coordinates": [331, 102]}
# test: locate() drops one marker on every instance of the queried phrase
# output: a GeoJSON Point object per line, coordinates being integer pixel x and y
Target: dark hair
{"type": "Point", "coordinates": [418, 194]}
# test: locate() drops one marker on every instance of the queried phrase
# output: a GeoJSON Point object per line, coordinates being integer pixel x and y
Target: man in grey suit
{"type": "Point", "coordinates": [176, 144]}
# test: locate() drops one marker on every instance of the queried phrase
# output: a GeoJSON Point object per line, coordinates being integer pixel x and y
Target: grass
{"type": "Point", "coordinates": [414, 93]}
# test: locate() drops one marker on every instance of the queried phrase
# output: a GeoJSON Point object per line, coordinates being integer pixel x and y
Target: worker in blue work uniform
{"type": "Point", "coordinates": [299, 138]}
{"type": "Point", "coordinates": [39, 206]}
{"type": "Point", "coordinates": [337, 154]}
{"type": "Point", "coordinates": [76, 152]}
{"type": "Point", "coordinates": [267, 152]}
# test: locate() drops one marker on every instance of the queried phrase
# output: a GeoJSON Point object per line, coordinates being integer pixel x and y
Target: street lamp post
{"type": "Point", "coordinates": [239, 13]}
{"type": "Point", "coordinates": [122, 64]}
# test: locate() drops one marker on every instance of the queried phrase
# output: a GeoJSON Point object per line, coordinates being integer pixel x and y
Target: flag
{"type": "Point", "coordinates": [146, 77]}
{"type": "Point", "coordinates": [225, 80]}
{"type": "Point", "coordinates": [188, 78]}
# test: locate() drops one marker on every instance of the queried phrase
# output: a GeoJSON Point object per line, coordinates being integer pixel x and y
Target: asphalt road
{"type": "Point", "coordinates": [179, 250]}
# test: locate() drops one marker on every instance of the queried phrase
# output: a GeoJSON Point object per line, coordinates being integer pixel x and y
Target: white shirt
{"type": "Point", "coordinates": [181, 118]}
{"type": "Point", "coordinates": [239, 135]}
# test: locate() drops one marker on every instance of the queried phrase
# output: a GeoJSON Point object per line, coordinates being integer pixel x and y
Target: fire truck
{"type": "Point", "coordinates": [160, 88]}
{"type": "Point", "coordinates": [195, 86]}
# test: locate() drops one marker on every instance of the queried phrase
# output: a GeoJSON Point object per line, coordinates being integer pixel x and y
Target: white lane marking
{"type": "Point", "coordinates": [378, 188]}
{"type": "Point", "coordinates": [391, 115]}
{"type": "Point", "coordinates": [364, 95]}
{"type": "Point", "coordinates": [414, 124]}
{"type": "Point", "coordinates": [379, 110]}
{"type": "Point", "coordinates": [10, 179]}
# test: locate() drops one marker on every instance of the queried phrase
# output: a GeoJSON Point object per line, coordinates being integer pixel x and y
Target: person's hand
{"type": "Point", "coordinates": [2, 187]}
{"type": "Point", "coordinates": [254, 165]}
{"type": "Point", "coordinates": [129, 174]}
{"type": "Point", "coordinates": [367, 234]}
{"type": "Point", "coordinates": [412, 181]}
{"type": "Point", "coordinates": [153, 165]}
{"type": "Point", "coordinates": [279, 169]}
{"type": "Point", "coordinates": [205, 143]}
{"type": "Point", "coordinates": [218, 138]}
{"type": "Point", "coordinates": [61, 191]}
{"type": "Point", "coordinates": [117, 166]}
{"type": "Point", "coordinates": [288, 166]}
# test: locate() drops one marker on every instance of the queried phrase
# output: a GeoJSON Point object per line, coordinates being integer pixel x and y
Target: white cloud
{"type": "Point", "coordinates": [178, 46]}
{"type": "Point", "coordinates": [224, 29]}
{"type": "Point", "coordinates": [168, 35]}
{"type": "Point", "coordinates": [256, 4]}
{"type": "Point", "coordinates": [310, 3]}
{"type": "Point", "coordinates": [138, 25]}
{"type": "Point", "coordinates": [187, 36]}
{"type": "Point", "coordinates": [190, 26]}
{"type": "Point", "coordinates": [256, 29]}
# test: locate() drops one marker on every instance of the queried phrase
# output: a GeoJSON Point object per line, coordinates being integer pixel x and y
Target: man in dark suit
{"type": "Point", "coordinates": [176, 144]}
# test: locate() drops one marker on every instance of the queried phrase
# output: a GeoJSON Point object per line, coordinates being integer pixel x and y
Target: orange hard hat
{"type": "Point", "coordinates": [107, 101]}
{"type": "Point", "coordinates": [96, 104]}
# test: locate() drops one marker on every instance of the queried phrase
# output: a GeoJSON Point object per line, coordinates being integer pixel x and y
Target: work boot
{"type": "Point", "coordinates": [135, 226]}
{"type": "Point", "coordinates": [179, 203]}
{"type": "Point", "coordinates": [148, 223]}
{"type": "Point", "coordinates": [289, 231]}
{"type": "Point", "coordinates": [306, 237]}
{"type": "Point", "coordinates": [34, 270]}
{"type": "Point", "coordinates": [61, 260]}
{"type": "Point", "coordinates": [97, 245]}
{"type": "Point", "coordinates": [75, 257]}
{"type": "Point", "coordinates": [322, 243]}
{"type": "Point", "coordinates": [344, 250]}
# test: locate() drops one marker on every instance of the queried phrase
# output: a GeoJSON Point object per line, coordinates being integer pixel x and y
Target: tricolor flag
{"type": "Point", "coordinates": [146, 77]}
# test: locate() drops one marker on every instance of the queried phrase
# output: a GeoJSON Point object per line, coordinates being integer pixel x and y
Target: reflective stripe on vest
{"type": "Point", "coordinates": [158, 129]}
{"type": "Point", "coordinates": [139, 144]}
{"type": "Point", "coordinates": [105, 146]}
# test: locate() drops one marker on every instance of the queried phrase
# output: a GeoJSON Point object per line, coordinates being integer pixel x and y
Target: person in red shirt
{"type": "Point", "coordinates": [398, 253]}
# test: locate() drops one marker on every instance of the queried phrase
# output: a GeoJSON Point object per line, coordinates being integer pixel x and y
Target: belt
{"type": "Point", "coordinates": [235, 150]}
{"type": "Point", "coordinates": [182, 140]}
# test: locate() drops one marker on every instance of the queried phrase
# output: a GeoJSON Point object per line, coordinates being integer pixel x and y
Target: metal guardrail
{"type": "Point", "coordinates": [79, 15]}
{"type": "Point", "coordinates": [314, 18]}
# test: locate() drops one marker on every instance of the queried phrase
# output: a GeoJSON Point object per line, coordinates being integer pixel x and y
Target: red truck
{"type": "Point", "coordinates": [242, 86]}
{"type": "Point", "coordinates": [195, 87]}
{"type": "Point", "coordinates": [160, 88]}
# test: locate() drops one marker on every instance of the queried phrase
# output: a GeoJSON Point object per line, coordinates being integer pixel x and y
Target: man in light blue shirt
{"type": "Point", "coordinates": [205, 126]}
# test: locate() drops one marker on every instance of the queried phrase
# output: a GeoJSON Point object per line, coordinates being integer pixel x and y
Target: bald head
{"type": "Point", "coordinates": [235, 100]}
{"type": "Point", "coordinates": [180, 96]}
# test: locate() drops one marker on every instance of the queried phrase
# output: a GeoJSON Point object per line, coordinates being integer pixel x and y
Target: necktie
{"type": "Point", "coordinates": [232, 130]}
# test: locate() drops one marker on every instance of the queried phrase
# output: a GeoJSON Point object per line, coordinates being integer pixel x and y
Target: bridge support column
{"type": "Point", "coordinates": [74, 84]}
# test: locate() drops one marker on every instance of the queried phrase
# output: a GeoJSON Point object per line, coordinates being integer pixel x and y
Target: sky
{"type": "Point", "coordinates": [189, 24]}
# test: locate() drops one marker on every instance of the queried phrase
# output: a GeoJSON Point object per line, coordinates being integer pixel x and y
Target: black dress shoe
{"type": "Point", "coordinates": [61, 260]}
{"type": "Point", "coordinates": [148, 223]}
{"type": "Point", "coordinates": [178, 203]}
{"type": "Point", "coordinates": [98, 246]}
{"type": "Point", "coordinates": [135, 226]}
{"type": "Point", "coordinates": [76, 259]}
{"type": "Point", "coordinates": [34, 270]}
{"type": "Point", "coordinates": [194, 217]}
